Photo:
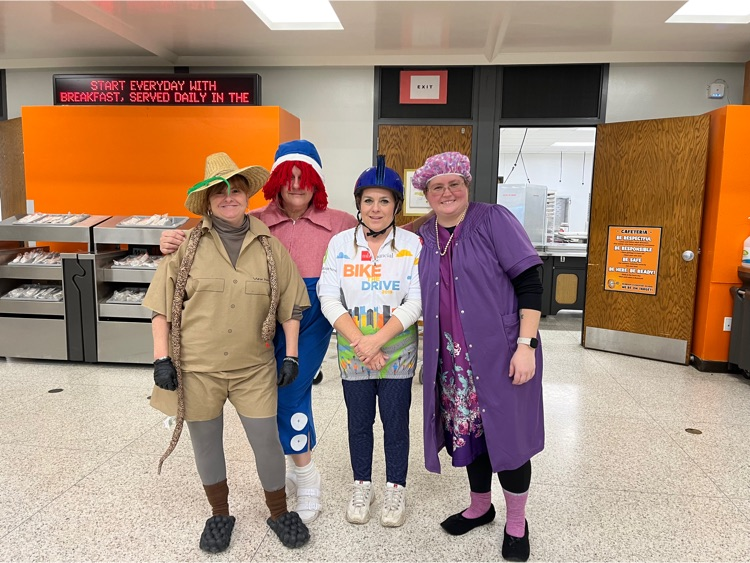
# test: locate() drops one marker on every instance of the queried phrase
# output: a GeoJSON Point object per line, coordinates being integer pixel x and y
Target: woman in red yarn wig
{"type": "Point", "coordinates": [298, 215]}
{"type": "Point", "coordinates": [308, 180]}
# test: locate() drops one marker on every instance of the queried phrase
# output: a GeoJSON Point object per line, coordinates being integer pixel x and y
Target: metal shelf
{"type": "Point", "coordinates": [80, 232]}
{"type": "Point", "coordinates": [121, 311]}
{"type": "Point", "coordinates": [31, 272]}
{"type": "Point", "coordinates": [125, 275]}
{"type": "Point", "coordinates": [109, 233]}
{"type": "Point", "coordinates": [28, 307]}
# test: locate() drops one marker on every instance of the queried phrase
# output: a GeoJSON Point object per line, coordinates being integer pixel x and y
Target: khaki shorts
{"type": "Point", "coordinates": [252, 391]}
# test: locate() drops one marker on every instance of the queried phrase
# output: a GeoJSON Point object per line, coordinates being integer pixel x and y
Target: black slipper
{"type": "Point", "coordinates": [516, 549]}
{"type": "Point", "coordinates": [458, 525]}
{"type": "Point", "coordinates": [290, 529]}
{"type": "Point", "coordinates": [217, 533]}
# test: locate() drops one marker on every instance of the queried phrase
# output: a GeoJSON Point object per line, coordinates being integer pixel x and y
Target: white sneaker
{"type": "Point", "coordinates": [394, 506]}
{"type": "Point", "coordinates": [358, 511]}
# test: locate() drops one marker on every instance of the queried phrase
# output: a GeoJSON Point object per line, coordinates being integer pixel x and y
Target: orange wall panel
{"type": "Point", "coordinates": [714, 341]}
{"type": "Point", "coordinates": [725, 227]}
{"type": "Point", "coordinates": [139, 160]}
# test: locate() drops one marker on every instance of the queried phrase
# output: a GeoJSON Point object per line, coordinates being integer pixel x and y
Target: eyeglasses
{"type": "Point", "coordinates": [439, 189]}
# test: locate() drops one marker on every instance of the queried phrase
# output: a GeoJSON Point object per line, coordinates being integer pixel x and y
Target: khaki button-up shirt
{"type": "Point", "coordinates": [225, 306]}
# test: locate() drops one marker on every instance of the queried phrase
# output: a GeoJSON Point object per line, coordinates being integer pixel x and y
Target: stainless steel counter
{"type": "Point", "coordinates": [573, 250]}
{"type": "Point", "coordinates": [37, 328]}
{"type": "Point", "coordinates": [80, 232]}
{"type": "Point", "coordinates": [123, 330]}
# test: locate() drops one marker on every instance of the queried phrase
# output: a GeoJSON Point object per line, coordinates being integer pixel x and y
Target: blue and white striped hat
{"type": "Point", "coordinates": [301, 150]}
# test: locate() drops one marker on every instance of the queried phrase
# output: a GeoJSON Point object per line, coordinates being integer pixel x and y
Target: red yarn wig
{"type": "Point", "coordinates": [309, 180]}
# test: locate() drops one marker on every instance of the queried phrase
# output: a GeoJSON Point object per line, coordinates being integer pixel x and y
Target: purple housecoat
{"type": "Point", "coordinates": [490, 249]}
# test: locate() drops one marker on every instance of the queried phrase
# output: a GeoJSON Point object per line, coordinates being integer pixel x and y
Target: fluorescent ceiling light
{"type": "Point", "coordinates": [296, 14]}
{"type": "Point", "coordinates": [713, 11]}
{"type": "Point", "coordinates": [573, 144]}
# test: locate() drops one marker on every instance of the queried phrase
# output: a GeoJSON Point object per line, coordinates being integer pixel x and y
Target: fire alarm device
{"type": "Point", "coordinates": [716, 90]}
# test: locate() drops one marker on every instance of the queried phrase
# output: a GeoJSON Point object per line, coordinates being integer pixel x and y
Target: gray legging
{"type": "Point", "coordinates": [263, 435]}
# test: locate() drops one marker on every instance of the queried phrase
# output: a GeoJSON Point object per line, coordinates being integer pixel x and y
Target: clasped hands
{"type": "Point", "coordinates": [368, 350]}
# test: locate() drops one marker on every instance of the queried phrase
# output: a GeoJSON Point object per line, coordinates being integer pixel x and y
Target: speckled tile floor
{"type": "Point", "coordinates": [620, 479]}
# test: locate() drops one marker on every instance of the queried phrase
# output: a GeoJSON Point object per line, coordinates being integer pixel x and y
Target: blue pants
{"type": "Point", "coordinates": [394, 401]}
{"type": "Point", "coordinates": [294, 415]}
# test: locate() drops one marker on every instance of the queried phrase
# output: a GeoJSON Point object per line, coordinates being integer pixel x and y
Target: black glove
{"type": "Point", "coordinates": [165, 376]}
{"type": "Point", "coordinates": [288, 372]}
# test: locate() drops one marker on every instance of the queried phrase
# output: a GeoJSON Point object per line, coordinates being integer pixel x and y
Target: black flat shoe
{"type": "Point", "coordinates": [217, 534]}
{"type": "Point", "coordinates": [290, 529]}
{"type": "Point", "coordinates": [516, 549]}
{"type": "Point", "coordinates": [458, 525]}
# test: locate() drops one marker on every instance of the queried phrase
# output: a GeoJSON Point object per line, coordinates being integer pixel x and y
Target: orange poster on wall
{"type": "Point", "coordinates": [633, 259]}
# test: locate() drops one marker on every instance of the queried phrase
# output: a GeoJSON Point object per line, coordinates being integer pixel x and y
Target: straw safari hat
{"type": "Point", "coordinates": [220, 167]}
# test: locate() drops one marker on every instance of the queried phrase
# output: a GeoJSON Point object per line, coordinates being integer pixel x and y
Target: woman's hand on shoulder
{"type": "Point", "coordinates": [522, 365]}
{"type": "Point", "coordinates": [170, 241]}
{"type": "Point", "coordinates": [415, 225]}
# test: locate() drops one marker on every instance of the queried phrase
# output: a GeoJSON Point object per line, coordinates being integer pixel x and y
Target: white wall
{"type": "Point", "coordinates": [651, 91]}
{"type": "Point", "coordinates": [334, 105]}
{"type": "Point", "coordinates": [27, 88]}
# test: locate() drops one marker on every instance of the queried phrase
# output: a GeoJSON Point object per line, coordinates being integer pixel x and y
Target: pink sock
{"type": "Point", "coordinates": [480, 504]}
{"type": "Point", "coordinates": [515, 513]}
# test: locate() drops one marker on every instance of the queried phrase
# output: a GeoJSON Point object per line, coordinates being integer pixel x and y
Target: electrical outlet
{"type": "Point", "coordinates": [727, 324]}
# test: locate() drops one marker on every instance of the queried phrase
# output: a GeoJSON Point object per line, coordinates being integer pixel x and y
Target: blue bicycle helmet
{"type": "Point", "coordinates": [380, 176]}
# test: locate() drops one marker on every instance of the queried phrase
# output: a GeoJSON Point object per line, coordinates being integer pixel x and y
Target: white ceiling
{"type": "Point", "coordinates": [226, 33]}
{"type": "Point", "coordinates": [542, 139]}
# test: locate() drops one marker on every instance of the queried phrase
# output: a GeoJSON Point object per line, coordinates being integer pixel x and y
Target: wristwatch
{"type": "Point", "coordinates": [531, 342]}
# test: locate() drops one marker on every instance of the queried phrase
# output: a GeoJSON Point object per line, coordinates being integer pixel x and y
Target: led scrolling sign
{"type": "Point", "coordinates": [157, 89]}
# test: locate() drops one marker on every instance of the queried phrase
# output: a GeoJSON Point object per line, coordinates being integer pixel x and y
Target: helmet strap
{"type": "Point", "coordinates": [369, 232]}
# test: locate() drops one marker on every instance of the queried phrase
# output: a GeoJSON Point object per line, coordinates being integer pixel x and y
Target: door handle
{"type": "Point", "coordinates": [688, 256]}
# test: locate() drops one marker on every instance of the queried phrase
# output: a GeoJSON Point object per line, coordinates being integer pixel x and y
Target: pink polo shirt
{"type": "Point", "coordinates": [307, 238]}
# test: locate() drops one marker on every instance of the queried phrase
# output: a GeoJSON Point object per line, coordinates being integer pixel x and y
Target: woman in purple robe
{"type": "Point", "coordinates": [481, 297]}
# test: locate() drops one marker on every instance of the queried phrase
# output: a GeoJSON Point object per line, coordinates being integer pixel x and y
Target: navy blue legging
{"type": "Point", "coordinates": [394, 401]}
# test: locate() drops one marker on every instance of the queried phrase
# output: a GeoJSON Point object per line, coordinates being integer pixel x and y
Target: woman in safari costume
{"type": "Point", "coordinates": [220, 296]}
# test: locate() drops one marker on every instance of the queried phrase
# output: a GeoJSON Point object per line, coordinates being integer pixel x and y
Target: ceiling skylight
{"type": "Point", "coordinates": [296, 14]}
{"type": "Point", "coordinates": [713, 11]}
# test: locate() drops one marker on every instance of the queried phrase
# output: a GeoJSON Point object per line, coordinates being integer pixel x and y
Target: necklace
{"type": "Point", "coordinates": [450, 239]}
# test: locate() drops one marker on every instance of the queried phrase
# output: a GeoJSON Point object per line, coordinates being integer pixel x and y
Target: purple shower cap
{"type": "Point", "coordinates": [439, 164]}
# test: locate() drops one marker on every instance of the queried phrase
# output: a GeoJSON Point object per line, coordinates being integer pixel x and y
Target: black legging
{"type": "Point", "coordinates": [515, 481]}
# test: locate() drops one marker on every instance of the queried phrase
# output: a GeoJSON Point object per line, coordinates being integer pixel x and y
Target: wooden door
{"type": "Point", "coordinates": [648, 175]}
{"type": "Point", "coordinates": [406, 147]}
{"type": "Point", "coordinates": [13, 184]}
